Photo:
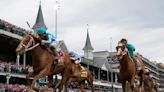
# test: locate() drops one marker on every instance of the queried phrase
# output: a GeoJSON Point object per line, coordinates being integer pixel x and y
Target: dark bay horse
{"type": "Point", "coordinates": [42, 59]}
{"type": "Point", "coordinates": [72, 73]}
{"type": "Point", "coordinates": [127, 68]}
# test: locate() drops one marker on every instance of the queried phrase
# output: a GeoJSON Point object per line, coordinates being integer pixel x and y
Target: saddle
{"type": "Point", "coordinates": [59, 56]}
{"type": "Point", "coordinates": [138, 59]}
{"type": "Point", "coordinates": [84, 72]}
{"type": "Point", "coordinates": [82, 69]}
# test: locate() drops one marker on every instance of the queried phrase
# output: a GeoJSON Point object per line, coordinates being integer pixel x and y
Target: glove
{"type": "Point", "coordinates": [42, 43]}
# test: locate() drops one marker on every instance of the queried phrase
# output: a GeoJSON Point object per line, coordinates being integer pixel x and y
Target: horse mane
{"type": "Point", "coordinates": [36, 38]}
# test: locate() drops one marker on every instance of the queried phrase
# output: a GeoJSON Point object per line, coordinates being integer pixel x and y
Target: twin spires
{"type": "Point", "coordinates": [88, 45]}
{"type": "Point", "coordinates": [88, 49]}
{"type": "Point", "coordinates": [39, 20]}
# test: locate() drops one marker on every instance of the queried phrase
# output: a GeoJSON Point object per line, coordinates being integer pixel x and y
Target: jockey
{"type": "Point", "coordinates": [47, 39]}
{"type": "Point", "coordinates": [75, 57]}
{"type": "Point", "coordinates": [131, 50]}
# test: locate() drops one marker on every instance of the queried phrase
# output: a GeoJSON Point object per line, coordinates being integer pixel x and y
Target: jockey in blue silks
{"type": "Point", "coordinates": [76, 58]}
{"type": "Point", "coordinates": [131, 50]}
{"type": "Point", "coordinates": [47, 39]}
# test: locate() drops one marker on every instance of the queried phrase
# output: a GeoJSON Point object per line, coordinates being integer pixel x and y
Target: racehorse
{"type": "Point", "coordinates": [127, 68]}
{"type": "Point", "coordinates": [149, 84]}
{"type": "Point", "coordinates": [72, 73]}
{"type": "Point", "coordinates": [45, 64]}
{"type": "Point", "coordinates": [42, 59]}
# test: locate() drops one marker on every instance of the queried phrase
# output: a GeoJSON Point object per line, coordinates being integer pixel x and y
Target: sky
{"type": "Point", "coordinates": [139, 21]}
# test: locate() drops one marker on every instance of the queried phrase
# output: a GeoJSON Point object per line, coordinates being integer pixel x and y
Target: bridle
{"type": "Point", "coordinates": [121, 52]}
{"type": "Point", "coordinates": [31, 42]}
{"type": "Point", "coordinates": [27, 47]}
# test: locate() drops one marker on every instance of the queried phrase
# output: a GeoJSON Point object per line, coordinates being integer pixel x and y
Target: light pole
{"type": "Point", "coordinates": [111, 44]}
{"type": "Point", "coordinates": [99, 78]}
{"type": "Point", "coordinates": [112, 72]}
{"type": "Point", "coordinates": [57, 7]}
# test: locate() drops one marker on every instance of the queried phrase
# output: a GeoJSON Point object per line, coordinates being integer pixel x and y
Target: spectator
{"type": "Point", "coordinates": [13, 68]}
{"type": "Point", "coordinates": [12, 28]}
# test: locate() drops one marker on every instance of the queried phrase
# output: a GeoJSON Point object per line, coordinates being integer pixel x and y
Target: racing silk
{"type": "Point", "coordinates": [51, 38]}
{"type": "Point", "coordinates": [131, 49]}
{"type": "Point", "coordinates": [75, 56]}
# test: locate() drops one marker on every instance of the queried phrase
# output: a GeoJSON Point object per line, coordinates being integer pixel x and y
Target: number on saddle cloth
{"type": "Point", "coordinates": [60, 54]}
{"type": "Point", "coordinates": [84, 73]}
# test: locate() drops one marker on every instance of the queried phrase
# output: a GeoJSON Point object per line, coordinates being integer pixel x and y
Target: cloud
{"type": "Point", "coordinates": [140, 21]}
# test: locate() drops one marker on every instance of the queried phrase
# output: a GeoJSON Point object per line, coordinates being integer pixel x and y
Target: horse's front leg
{"type": "Point", "coordinates": [31, 74]}
{"type": "Point", "coordinates": [41, 74]}
{"type": "Point", "coordinates": [63, 81]}
{"type": "Point", "coordinates": [124, 86]}
{"type": "Point", "coordinates": [81, 86]}
{"type": "Point", "coordinates": [50, 81]}
{"type": "Point", "coordinates": [140, 85]}
{"type": "Point", "coordinates": [132, 83]}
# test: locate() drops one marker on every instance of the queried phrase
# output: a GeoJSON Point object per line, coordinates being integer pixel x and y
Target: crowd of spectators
{"type": "Point", "coordinates": [12, 88]}
{"type": "Point", "coordinates": [12, 28]}
{"type": "Point", "coordinates": [23, 88]}
{"type": "Point", "coordinates": [13, 68]}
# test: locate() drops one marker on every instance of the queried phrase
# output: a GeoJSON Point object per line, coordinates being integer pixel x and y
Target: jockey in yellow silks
{"type": "Point", "coordinates": [76, 58]}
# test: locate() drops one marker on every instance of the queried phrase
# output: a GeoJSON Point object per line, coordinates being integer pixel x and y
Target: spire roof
{"type": "Point", "coordinates": [88, 45]}
{"type": "Point", "coordinates": [39, 20]}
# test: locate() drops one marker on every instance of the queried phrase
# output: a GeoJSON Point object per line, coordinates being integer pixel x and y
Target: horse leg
{"type": "Point", "coordinates": [155, 87]}
{"type": "Point", "coordinates": [50, 81]}
{"type": "Point", "coordinates": [66, 87]}
{"type": "Point", "coordinates": [81, 86]}
{"type": "Point", "coordinates": [57, 86]}
{"type": "Point", "coordinates": [140, 85]}
{"type": "Point", "coordinates": [132, 83]}
{"type": "Point", "coordinates": [64, 79]}
{"type": "Point", "coordinates": [90, 82]}
{"type": "Point", "coordinates": [41, 74]}
{"type": "Point", "coordinates": [28, 76]}
{"type": "Point", "coordinates": [123, 86]}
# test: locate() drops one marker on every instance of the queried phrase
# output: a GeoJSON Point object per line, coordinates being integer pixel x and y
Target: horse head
{"type": "Point", "coordinates": [28, 42]}
{"type": "Point", "coordinates": [121, 50]}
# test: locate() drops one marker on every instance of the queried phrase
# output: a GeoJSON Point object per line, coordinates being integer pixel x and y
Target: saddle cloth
{"type": "Point", "coordinates": [139, 60]}
{"type": "Point", "coordinates": [84, 73]}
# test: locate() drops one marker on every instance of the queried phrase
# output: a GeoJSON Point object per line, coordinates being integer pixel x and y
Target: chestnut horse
{"type": "Point", "coordinates": [72, 73]}
{"type": "Point", "coordinates": [43, 61]}
{"type": "Point", "coordinates": [127, 68]}
{"type": "Point", "coordinates": [43, 64]}
{"type": "Point", "coordinates": [149, 84]}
